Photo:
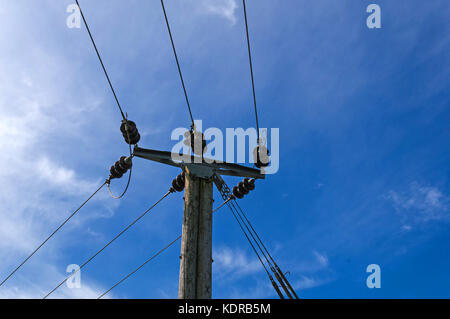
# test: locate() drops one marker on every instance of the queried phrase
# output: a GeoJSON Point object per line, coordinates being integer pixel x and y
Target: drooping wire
{"type": "Point", "coordinates": [129, 173]}
{"type": "Point", "coordinates": [124, 191]}
{"type": "Point", "coordinates": [51, 235]}
{"type": "Point", "coordinates": [280, 273]}
{"type": "Point", "coordinates": [178, 63]}
{"type": "Point", "coordinates": [101, 61]}
{"type": "Point", "coordinates": [154, 256]}
{"type": "Point", "coordinates": [109, 243]}
{"type": "Point", "coordinates": [128, 182]}
{"type": "Point", "coordinates": [251, 70]}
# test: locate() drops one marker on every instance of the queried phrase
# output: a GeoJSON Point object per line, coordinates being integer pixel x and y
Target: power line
{"type": "Point", "coordinates": [251, 69]}
{"type": "Point", "coordinates": [262, 251]}
{"type": "Point", "coordinates": [178, 63]}
{"type": "Point", "coordinates": [109, 243]}
{"type": "Point", "coordinates": [226, 193]}
{"type": "Point", "coordinates": [101, 61]}
{"type": "Point", "coordinates": [256, 252]}
{"type": "Point", "coordinates": [278, 270]}
{"type": "Point", "coordinates": [154, 256]}
{"type": "Point", "coordinates": [51, 235]}
{"type": "Point", "coordinates": [134, 271]}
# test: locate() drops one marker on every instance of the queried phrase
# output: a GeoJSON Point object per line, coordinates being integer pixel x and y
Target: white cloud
{"type": "Point", "coordinates": [223, 8]}
{"type": "Point", "coordinates": [40, 183]}
{"type": "Point", "coordinates": [322, 259]}
{"type": "Point", "coordinates": [44, 279]}
{"type": "Point", "coordinates": [406, 227]}
{"type": "Point", "coordinates": [307, 282]}
{"type": "Point", "coordinates": [420, 204]}
{"type": "Point", "coordinates": [234, 262]}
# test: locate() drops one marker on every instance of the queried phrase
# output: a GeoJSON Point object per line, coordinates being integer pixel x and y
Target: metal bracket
{"type": "Point", "coordinates": [201, 167]}
{"type": "Point", "coordinates": [199, 171]}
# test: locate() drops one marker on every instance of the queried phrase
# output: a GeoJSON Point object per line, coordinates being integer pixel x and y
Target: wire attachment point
{"type": "Point", "coordinates": [117, 170]}
{"type": "Point", "coordinates": [130, 132]}
{"type": "Point", "coordinates": [178, 183]}
{"type": "Point", "coordinates": [244, 187]}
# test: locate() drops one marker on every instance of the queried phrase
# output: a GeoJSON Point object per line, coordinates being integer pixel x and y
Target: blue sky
{"type": "Point", "coordinates": [363, 118]}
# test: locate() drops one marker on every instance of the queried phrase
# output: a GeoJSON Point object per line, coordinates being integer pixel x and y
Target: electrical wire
{"type": "Point", "coordinates": [278, 270]}
{"type": "Point", "coordinates": [129, 173]}
{"type": "Point", "coordinates": [134, 271]}
{"type": "Point", "coordinates": [109, 243]}
{"type": "Point", "coordinates": [124, 191]}
{"type": "Point", "coordinates": [225, 202]}
{"type": "Point", "coordinates": [226, 193]}
{"type": "Point", "coordinates": [230, 205]}
{"type": "Point", "coordinates": [51, 235]}
{"type": "Point", "coordinates": [251, 69]}
{"type": "Point", "coordinates": [263, 253]}
{"type": "Point", "coordinates": [101, 61]}
{"type": "Point", "coordinates": [178, 63]}
{"type": "Point", "coordinates": [154, 256]}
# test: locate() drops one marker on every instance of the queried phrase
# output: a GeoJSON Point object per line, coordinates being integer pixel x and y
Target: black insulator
{"type": "Point", "coordinates": [124, 163]}
{"type": "Point", "coordinates": [176, 185]}
{"type": "Point", "coordinates": [242, 188]}
{"type": "Point", "coordinates": [120, 167]}
{"type": "Point", "coordinates": [180, 180]}
{"type": "Point", "coordinates": [261, 156]}
{"type": "Point", "coordinates": [114, 172]}
{"type": "Point", "coordinates": [237, 193]}
{"type": "Point", "coordinates": [249, 183]}
{"type": "Point", "coordinates": [130, 132]}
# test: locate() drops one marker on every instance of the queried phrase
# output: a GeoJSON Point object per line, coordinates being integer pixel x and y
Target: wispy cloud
{"type": "Point", "coordinates": [419, 204]}
{"type": "Point", "coordinates": [223, 8]}
{"type": "Point", "coordinates": [43, 280]}
{"type": "Point", "coordinates": [322, 259]}
{"type": "Point", "coordinates": [40, 182]}
{"type": "Point", "coordinates": [234, 262]}
{"type": "Point", "coordinates": [307, 282]}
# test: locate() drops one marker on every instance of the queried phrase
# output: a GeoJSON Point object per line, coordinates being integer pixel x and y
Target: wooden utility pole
{"type": "Point", "coordinates": [196, 242]}
{"type": "Point", "coordinates": [196, 245]}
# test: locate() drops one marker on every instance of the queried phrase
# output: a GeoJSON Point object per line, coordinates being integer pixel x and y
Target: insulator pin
{"type": "Point", "coordinates": [130, 132]}
{"type": "Point", "coordinates": [193, 138]}
{"type": "Point", "coordinates": [261, 156]}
